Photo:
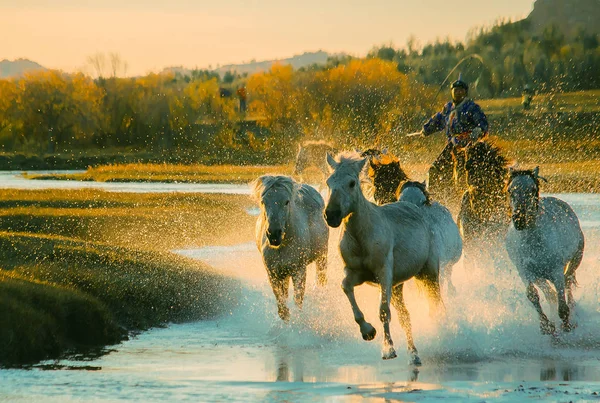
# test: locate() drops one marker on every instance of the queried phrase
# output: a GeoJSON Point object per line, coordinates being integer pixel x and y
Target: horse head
{"type": "Point", "coordinates": [387, 175]}
{"type": "Point", "coordinates": [371, 153]}
{"type": "Point", "coordinates": [344, 186]}
{"type": "Point", "coordinates": [276, 197]}
{"type": "Point", "coordinates": [523, 187]}
{"type": "Point", "coordinates": [416, 193]}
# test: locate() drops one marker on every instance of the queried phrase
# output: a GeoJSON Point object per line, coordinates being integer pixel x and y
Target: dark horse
{"type": "Point", "coordinates": [387, 176]}
{"type": "Point", "coordinates": [484, 216]}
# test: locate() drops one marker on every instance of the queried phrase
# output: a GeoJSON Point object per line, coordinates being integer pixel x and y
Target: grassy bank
{"type": "Point", "coordinates": [171, 173]}
{"type": "Point", "coordinates": [576, 173]}
{"type": "Point", "coordinates": [77, 268]}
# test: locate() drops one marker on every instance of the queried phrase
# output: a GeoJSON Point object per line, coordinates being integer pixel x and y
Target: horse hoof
{"type": "Point", "coordinates": [415, 360]}
{"type": "Point", "coordinates": [567, 327]}
{"type": "Point", "coordinates": [390, 354]}
{"type": "Point", "coordinates": [285, 315]}
{"type": "Point", "coordinates": [369, 334]}
{"type": "Point", "coordinates": [547, 328]}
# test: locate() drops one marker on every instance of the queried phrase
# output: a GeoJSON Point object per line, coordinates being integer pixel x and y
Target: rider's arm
{"type": "Point", "coordinates": [436, 123]}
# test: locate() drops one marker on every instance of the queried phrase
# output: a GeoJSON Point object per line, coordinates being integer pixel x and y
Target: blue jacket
{"type": "Point", "coordinates": [458, 121]}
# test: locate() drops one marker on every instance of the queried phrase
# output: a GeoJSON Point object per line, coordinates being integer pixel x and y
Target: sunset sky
{"type": "Point", "coordinates": [152, 34]}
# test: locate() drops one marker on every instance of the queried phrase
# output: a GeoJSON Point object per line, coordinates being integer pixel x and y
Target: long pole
{"type": "Point", "coordinates": [471, 56]}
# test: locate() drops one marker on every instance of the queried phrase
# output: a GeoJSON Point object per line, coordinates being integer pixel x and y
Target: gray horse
{"type": "Point", "coordinates": [545, 243]}
{"type": "Point", "coordinates": [290, 234]}
{"type": "Point", "coordinates": [445, 231]}
{"type": "Point", "coordinates": [385, 245]}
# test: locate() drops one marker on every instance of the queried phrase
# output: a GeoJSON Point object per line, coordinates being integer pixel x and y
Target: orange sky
{"type": "Point", "coordinates": [153, 34]}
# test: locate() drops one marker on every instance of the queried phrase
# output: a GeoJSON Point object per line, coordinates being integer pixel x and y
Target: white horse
{"type": "Point", "coordinates": [545, 243]}
{"type": "Point", "coordinates": [386, 245]}
{"type": "Point", "coordinates": [290, 233]}
{"type": "Point", "coordinates": [446, 235]}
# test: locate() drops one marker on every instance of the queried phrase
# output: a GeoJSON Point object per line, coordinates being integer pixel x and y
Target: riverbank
{"type": "Point", "coordinates": [568, 176]}
{"type": "Point", "coordinates": [81, 269]}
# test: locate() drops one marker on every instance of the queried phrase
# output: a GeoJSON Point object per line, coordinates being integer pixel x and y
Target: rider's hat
{"type": "Point", "coordinates": [459, 83]}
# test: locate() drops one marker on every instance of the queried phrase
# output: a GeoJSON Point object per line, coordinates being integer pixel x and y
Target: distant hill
{"type": "Point", "coordinates": [18, 67]}
{"type": "Point", "coordinates": [298, 61]}
{"type": "Point", "coordinates": [303, 60]}
{"type": "Point", "coordinates": [568, 15]}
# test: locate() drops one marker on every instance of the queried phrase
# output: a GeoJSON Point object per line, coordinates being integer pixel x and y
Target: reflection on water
{"type": "Point", "coordinates": [15, 180]}
{"type": "Point", "coordinates": [488, 347]}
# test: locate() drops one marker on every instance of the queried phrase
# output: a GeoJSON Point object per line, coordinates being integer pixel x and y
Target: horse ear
{"type": "Point", "coordinates": [536, 171]}
{"type": "Point", "coordinates": [361, 163]}
{"type": "Point", "coordinates": [384, 151]}
{"type": "Point", "coordinates": [425, 183]}
{"type": "Point", "coordinates": [257, 186]}
{"type": "Point", "coordinates": [331, 162]}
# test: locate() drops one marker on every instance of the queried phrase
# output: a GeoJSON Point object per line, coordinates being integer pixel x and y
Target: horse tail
{"type": "Point", "coordinates": [574, 264]}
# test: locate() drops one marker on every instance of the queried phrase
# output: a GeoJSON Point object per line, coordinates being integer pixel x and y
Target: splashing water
{"type": "Point", "coordinates": [486, 347]}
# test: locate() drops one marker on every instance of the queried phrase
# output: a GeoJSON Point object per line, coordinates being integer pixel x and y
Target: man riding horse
{"type": "Point", "coordinates": [464, 123]}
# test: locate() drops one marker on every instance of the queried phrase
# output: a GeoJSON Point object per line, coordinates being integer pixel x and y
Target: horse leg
{"type": "Point", "coordinates": [546, 327]}
{"type": "Point", "coordinates": [549, 292]}
{"type": "Point", "coordinates": [384, 317]}
{"type": "Point", "coordinates": [441, 179]}
{"type": "Point", "coordinates": [321, 264]}
{"type": "Point", "coordinates": [447, 278]}
{"type": "Point", "coordinates": [563, 308]}
{"type": "Point", "coordinates": [404, 317]}
{"type": "Point", "coordinates": [429, 277]}
{"type": "Point", "coordinates": [570, 279]}
{"type": "Point", "coordinates": [299, 282]}
{"type": "Point", "coordinates": [348, 283]}
{"type": "Point", "coordinates": [280, 289]}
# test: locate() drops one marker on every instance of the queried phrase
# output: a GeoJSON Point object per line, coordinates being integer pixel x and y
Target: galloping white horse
{"type": "Point", "coordinates": [290, 233]}
{"type": "Point", "coordinates": [545, 242]}
{"type": "Point", "coordinates": [446, 235]}
{"type": "Point", "coordinates": [386, 245]}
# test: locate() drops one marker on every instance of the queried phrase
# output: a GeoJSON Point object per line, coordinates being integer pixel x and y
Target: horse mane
{"type": "Point", "coordinates": [421, 187]}
{"type": "Point", "coordinates": [300, 192]}
{"type": "Point", "coordinates": [485, 158]}
{"type": "Point", "coordinates": [387, 164]}
{"type": "Point", "coordinates": [263, 184]}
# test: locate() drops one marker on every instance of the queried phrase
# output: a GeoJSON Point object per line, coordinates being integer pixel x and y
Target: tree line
{"type": "Point", "coordinates": [354, 101]}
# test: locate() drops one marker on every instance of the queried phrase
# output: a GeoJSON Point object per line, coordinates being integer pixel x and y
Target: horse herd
{"type": "Point", "coordinates": [404, 234]}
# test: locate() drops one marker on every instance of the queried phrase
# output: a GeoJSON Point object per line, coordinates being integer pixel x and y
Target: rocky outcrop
{"type": "Point", "coordinates": [568, 15]}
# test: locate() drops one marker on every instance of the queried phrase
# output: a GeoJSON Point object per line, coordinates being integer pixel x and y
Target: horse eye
{"type": "Point", "coordinates": [352, 184]}
{"type": "Point", "coordinates": [287, 202]}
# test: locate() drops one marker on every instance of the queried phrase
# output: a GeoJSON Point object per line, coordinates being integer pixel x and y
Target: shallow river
{"type": "Point", "coordinates": [487, 347]}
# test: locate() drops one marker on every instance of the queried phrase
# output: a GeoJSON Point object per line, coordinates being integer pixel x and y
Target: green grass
{"type": "Point", "coordinates": [580, 101]}
{"type": "Point", "coordinates": [169, 173]}
{"type": "Point", "coordinates": [68, 258]}
{"type": "Point", "coordinates": [40, 320]}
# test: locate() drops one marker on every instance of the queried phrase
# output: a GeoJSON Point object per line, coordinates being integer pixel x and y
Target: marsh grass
{"type": "Point", "coordinates": [41, 320]}
{"type": "Point", "coordinates": [68, 258]}
{"type": "Point", "coordinates": [171, 173]}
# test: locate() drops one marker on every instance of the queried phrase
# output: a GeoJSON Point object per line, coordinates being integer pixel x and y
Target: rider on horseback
{"type": "Point", "coordinates": [463, 120]}
{"type": "Point", "coordinates": [464, 123]}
